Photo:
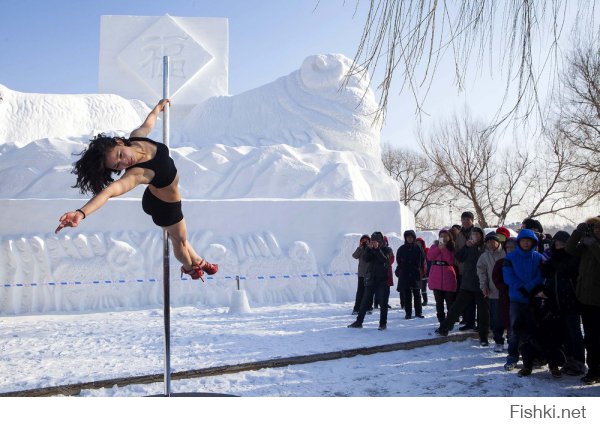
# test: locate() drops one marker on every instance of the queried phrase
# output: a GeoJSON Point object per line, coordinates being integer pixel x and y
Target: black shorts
{"type": "Point", "coordinates": [163, 213]}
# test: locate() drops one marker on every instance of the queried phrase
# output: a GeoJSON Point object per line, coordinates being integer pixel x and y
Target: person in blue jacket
{"type": "Point", "coordinates": [522, 273]}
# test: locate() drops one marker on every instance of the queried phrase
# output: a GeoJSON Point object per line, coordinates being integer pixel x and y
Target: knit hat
{"type": "Point", "coordinates": [504, 232]}
{"type": "Point", "coordinates": [467, 214]}
{"type": "Point", "coordinates": [377, 236]}
{"type": "Point", "coordinates": [561, 236]}
{"type": "Point", "coordinates": [410, 233]}
{"type": "Point", "coordinates": [492, 236]}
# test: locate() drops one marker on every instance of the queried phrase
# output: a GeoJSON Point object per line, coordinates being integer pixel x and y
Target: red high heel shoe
{"type": "Point", "coordinates": [198, 270]}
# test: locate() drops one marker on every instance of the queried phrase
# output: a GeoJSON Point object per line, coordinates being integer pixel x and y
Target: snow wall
{"type": "Point", "coordinates": [284, 250]}
{"type": "Point", "coordinates": [278, 183]}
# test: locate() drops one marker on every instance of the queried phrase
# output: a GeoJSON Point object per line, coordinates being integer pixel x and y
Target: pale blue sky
{"type": "Point", "coordinates": [52, 46]}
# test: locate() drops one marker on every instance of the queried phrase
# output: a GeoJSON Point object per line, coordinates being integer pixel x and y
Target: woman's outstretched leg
{"type": "Point", "coordinates": [193, 264]}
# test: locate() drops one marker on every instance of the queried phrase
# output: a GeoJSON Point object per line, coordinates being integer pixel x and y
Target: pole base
{"type": "Point", "coordinates": [193, 394]}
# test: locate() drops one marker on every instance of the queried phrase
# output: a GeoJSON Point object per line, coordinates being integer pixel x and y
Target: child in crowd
{"type": "Point", "coordinates": [521, 272]}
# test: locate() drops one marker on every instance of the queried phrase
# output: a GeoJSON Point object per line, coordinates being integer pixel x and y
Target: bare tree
{"type": "Point", "coordinates": [578, 109]}
{"type": "Point", "coordinates": [410, 37]}
{"type": "Point", "coordinates": [420, 185]}
{"type": "Point", "coordinates": [559, 184]}
{"type": "Point", "coordinates": [462, 155]}
{"type": "Point", "coordinates": [535, 179]}
{"type": "Point", "coordinates": [507, 188]}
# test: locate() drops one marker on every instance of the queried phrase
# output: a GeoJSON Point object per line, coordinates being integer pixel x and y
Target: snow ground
{"type": "Point", "coordinates": [56, 349]}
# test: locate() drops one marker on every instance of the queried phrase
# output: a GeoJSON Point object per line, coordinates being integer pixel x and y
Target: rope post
{"type": "Point", "coordinates": [166, 268]}
{"type": "Point", "coordinates": [237, 279]}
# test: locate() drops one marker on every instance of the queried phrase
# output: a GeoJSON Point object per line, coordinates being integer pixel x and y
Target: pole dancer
{"type": "Point", "coordinates": [145, 162]}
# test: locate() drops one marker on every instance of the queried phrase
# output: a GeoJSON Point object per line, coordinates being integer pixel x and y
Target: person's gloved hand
{"type": "Point", "coordinates": [547, 255]}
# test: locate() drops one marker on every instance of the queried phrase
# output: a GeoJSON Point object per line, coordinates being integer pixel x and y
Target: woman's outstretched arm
{"type": "Point", "coordinates": [128, 182]}
{"type": "Point", "coordinates": [146, 127]}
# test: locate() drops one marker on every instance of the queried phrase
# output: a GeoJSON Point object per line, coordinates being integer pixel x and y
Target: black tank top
{"type": "Point", "coordinates": [162, 164]}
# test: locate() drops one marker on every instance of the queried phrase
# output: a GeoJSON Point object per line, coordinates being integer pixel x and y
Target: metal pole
{"type": "Point", "coordinates": [166, 269]}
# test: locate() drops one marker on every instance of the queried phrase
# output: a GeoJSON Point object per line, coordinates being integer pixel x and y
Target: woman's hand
{"type": "Point", "coordinates": [161, 104]}
{"type": "Point", "coordinates": [69, 219]}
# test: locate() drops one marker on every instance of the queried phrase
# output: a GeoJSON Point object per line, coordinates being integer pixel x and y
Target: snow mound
{"type": "Point", "coordinates": [26, 117]}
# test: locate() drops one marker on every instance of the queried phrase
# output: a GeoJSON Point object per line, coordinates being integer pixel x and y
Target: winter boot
{"type": "Point", "coordinates": [524, 372]}
{"type": "Point", "coordinates": [555, 371]}
{"type": "Point", "coordinates": [441, 332]}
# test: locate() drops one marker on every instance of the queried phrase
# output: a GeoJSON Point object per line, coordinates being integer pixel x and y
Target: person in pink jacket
{"type": "Point", "coordinates": [442, 275]}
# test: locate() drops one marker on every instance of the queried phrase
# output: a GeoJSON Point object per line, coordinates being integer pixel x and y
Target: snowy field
{"type": "Point", "coordinates": [57, 349]}
{"type": "Point", "coordinates": [54, 349]}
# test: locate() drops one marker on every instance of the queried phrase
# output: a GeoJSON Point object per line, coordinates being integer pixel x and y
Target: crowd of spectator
{"type": "Point", "coordinates": [538, 293]}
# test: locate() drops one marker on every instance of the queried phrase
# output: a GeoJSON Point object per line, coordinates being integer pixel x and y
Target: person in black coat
{"type": "Point", "coordinates": [469, 289]}
{"type": "Point", "coordinates": [378, 256]}
{"type": "Point", "coordinates": [544, 341]}
{"type": "Point", "coordinates": [410, 258]}
{"type": "Point", "coordinates": [560, 271]}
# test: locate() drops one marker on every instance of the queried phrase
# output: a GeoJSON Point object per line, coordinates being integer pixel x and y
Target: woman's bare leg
{"type": "Point", "coordinates": [182, 249]}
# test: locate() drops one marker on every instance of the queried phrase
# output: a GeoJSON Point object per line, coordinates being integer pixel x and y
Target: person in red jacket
{"type": "Point", "coordinates": [442, 275]}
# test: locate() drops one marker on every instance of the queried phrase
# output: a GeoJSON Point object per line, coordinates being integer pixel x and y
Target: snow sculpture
{"type": "Point", "coordinates": [276, 183]}
{"type": "Point", "coordinates": [27, 117]}
{"type": "Point", "coordinates": [132, 50]}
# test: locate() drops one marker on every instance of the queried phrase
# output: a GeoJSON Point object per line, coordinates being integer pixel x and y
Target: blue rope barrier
{"type": "Point", "coordinates": [183, 279]}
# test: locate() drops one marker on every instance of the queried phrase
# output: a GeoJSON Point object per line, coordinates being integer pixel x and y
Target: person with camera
{"type": "Point", "coordinates": [378, 257]}
{"type": "Point", "coordinates": [585, 243]}
{"type": "Point", "coordinates": [362, 271]}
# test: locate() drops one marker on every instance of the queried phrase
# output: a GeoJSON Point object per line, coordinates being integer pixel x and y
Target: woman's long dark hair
{"type": "Point", "coordinates": [92, 174]}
